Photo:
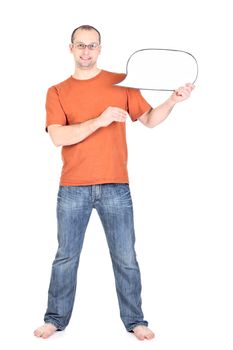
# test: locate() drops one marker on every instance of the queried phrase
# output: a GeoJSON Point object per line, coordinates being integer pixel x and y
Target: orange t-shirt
{"type": "Point", "coordinates": [102, 156]}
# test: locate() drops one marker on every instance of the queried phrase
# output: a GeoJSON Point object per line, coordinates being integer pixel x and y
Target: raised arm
{"type": "Point", "coordinates": [157, 115]}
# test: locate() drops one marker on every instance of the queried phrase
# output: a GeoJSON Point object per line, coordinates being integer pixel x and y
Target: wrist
{"type": "Point", "coordinates": [98, 122]}
{"type": "Point", "coordinates": [170, 102]}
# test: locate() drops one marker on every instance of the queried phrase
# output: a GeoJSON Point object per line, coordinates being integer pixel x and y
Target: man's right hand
{"type": "Point", "coordinates": [71, 134]}
{"type": "Point", "coordinates": [112, 114]}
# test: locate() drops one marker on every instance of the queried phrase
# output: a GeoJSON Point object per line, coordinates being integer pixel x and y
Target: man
{"type": "Point", "coordinates": [86, 115]}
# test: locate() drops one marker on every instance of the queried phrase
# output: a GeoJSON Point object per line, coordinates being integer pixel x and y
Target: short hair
{"type": "Point", "coordinates": [85, 27]}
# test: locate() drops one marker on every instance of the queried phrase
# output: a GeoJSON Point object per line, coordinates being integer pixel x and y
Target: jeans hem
{"type": "Point", "coordinates": [143, 323]}
{"type": "Point", "coordinates": [59, 328]}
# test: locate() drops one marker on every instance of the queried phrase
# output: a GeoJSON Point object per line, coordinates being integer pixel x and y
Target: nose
{"type": "Point", "coordinates": [86, 50]}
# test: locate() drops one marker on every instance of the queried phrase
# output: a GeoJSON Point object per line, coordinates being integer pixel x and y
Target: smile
{"type": "Point", "coordinates": [85, 58]}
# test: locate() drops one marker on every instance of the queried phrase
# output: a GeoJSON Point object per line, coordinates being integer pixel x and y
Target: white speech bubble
{"type": "Point", "coordinates": [160, 69]}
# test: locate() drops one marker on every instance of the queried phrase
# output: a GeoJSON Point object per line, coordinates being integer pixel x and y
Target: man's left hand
{"type": "Point", "coordinates": [182, 93]}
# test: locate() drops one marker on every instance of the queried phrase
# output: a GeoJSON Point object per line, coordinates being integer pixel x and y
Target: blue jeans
{"type": "Point", "coordinates": [114, 206]}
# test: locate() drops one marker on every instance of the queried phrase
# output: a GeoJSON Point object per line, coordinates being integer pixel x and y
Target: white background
{"type": "Point", "coordinates": [181, 178]}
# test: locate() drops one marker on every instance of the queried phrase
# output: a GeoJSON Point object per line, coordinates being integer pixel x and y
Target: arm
{"type": "Point", "coordinates": [155, 116]}
{"type": "Point", "coordinates": [72, 134]}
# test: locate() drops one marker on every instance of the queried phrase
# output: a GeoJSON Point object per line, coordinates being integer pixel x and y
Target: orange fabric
{"type": "Point", "coordinates": [101, 157]}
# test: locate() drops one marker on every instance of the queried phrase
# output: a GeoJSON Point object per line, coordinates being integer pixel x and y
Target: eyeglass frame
{"type": "Point", "coordinates": [85, 45]}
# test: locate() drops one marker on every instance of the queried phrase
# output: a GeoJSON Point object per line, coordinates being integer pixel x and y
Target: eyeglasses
{"type": "Point", "coordinates": [82, 46]}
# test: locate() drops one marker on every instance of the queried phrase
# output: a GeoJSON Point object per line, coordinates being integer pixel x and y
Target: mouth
{"type": "Point", "coordinates": [86, 59]}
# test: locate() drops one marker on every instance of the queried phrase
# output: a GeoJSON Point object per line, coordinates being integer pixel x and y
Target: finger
{"type": "Point", "coordinates": [184, 91]}
{"type": "Point", "coordinates": [178, 92]}
{"type": "Point", "coordinates": [118, 113]}
{"type": "Point", "coordinates": [188, 87]}
{"type": "Point", "coordinates": [121, 111]}
{"type": "Point", "coordinates": [119, 117]}
{"type": "Point", "coordinates": [191, 86]}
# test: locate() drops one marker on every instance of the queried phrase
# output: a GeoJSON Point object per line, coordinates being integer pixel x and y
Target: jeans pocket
{"type": "Point", "coordinates": [72, 198]}
{"type": "Point", "coordinates": [120, 196]}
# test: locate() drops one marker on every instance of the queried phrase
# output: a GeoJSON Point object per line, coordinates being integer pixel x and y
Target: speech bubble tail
{"type": "Point", "coordinates": [121, 83]}
{"type": "Point", "coordinates": [117, 84]}
{"type": "Point", "coordinates": [125, 85]}
{"type": "Point", "coordinates": [133, 86]}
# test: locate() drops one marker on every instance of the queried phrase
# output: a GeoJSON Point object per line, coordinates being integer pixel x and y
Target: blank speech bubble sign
{"type": "Point", "coordinates": [160, 69]}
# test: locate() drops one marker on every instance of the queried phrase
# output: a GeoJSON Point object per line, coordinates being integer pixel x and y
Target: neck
{"type": "Point", "coordinates": [83, 74]}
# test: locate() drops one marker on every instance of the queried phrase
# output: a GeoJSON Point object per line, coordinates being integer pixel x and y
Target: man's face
{"type": "Point", "coordinates": [85, 58]}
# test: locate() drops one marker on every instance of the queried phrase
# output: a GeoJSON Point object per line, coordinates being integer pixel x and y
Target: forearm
{"type": "Point", "coordinates": [159, 114]}
{"type": "Point", "coordinates": [72, 134]}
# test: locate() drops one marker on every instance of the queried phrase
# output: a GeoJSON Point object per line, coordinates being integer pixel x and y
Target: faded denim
{"type": "Point", "coordinates": [114, 206]}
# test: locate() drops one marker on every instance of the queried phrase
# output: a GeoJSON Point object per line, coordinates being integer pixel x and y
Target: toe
{"type": "Point", "coordinates": [150, 335]}
{"type": "Point", "coordinates": [46, 335]}
{"type": "Point", "coordinates": [140, 336]}
{"type": "Point", "coordinates": [38, 332]}
{"type": "Point", "coordinates": [45, 331]}
{"type": "Point", "coordinates": [142, 332]}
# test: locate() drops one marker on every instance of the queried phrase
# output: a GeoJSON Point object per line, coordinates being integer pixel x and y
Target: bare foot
{"type": "Point", "coordinates": [143, 332]}
{"type": "Point", "coordinates": [45, 331]}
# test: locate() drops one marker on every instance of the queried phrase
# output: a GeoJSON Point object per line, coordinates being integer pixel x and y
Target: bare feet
{"type": "Point", "coordinates": [45, 331]}
{"type": "Point", "coordinates": [143, 332]}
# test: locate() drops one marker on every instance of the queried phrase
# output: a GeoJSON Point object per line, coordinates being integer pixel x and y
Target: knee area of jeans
{"type": "Point", "coordinates": [127, 261]}
{"type": "Point", "coordinates": [66, 257]}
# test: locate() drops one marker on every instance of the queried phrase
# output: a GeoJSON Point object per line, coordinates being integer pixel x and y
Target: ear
{"type": "Point", "coordinates": [71, 48]}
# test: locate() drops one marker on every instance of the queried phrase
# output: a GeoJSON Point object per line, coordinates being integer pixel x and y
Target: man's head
{"type": "Point", "coordinates": [85, 46]}
{"type": "Point", "coordinates": [85, 27]}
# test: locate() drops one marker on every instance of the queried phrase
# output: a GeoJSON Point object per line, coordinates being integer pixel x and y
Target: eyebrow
{"type": "Point", "coordinates": [81, 42]}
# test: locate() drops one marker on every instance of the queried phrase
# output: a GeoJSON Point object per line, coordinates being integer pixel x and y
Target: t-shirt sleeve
{"type": "Point", "coordinates": [137, 105]}
{"type": "Point", "coordinates": [54, 111]}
